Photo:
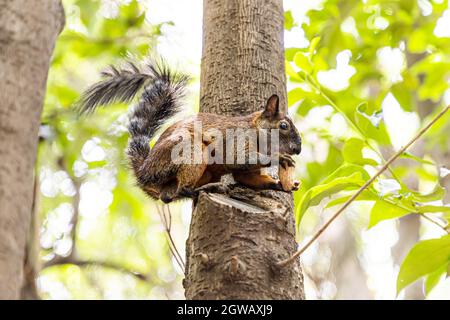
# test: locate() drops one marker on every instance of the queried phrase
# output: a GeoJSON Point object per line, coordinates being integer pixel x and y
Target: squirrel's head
{"type": "Point", "coordinates": [274, 118]}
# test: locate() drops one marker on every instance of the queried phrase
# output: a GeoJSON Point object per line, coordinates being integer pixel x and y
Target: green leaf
{"type": "Point", "coordinates": [407, 155]}
{"type": "Point", "coordinates": [403, 96]}
{"type": "Point", "coordinates": [366, 195]}
{"type": "Point", "coordinates": [97, 164]}
{"type": "Point", "coordinates": [290, 53]}
{"type": "Point", "coordinates": [293, 75]}
{"type": "Point", "coordinates": [305, 106]}
{"type": "Point", "coordinates": [437, 194]}
{"type": "Point", "coordinates": [288, 20]}
{"type": "Point", "coordinates": [298, 94]}
{"type": "Point", "coordinates": [434, 87]}
{"type": "Point", "coordinates": [314, 195]}
{"type": "Point", "coordinates": [345, 170]}
{"type": "Point", "coordinates": [371, 124]}
{"type": "Point", "coordinates": [352, 152]}
{"type": "Point", "coordinates": [383, 210]}
{"type": "Point", "coordinates": [375, 118]}
{"type": "Point", "coordinates": [313, 45]}
{"type": "Point", "coordinates": [88, 12]}
{"type": "Point", "coordinates": [432, 209]}
{"type": "Point", "coordinates": [418, 41]}
{"type": "Point", "coordinates": [66, 95]}
{"type": "Point", "coordinates": [425, 257]}
{"type": "Point", "coordinates": [303, 62]}
{"type": "Point", "coordinates": [434, 278]}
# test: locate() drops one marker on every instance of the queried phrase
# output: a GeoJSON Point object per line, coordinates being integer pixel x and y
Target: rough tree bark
{"type": "Point", "coordinates": [28, 30]}
{"type": "Point", "coordinates": [235, 239]}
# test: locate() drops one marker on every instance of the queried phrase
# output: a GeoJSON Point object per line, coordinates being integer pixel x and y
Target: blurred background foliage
{"type": "Point", "coordinates": [363, 77]}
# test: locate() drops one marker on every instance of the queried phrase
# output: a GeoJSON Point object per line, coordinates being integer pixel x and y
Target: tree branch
{"type": "Point", "coordinates": [72, 257]}
{"type": "Point", "coordinates": [426, 217]}
{"type": "Point", "coordinates": [291, 259]}
{"type": "Point", "coordinates": [59, 260]}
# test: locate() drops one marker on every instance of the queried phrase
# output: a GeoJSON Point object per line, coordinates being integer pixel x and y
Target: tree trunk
{"type": "Point", "coordinates": [408, 235]}
{"type": "Point", "coordinates": [409, 226]}
{"type": "Point", "coordinates": [235, 240]}
{"type": "Point", "coordinates": [28, 30]}
{"type": "Point", "coordinates": [349, 276]}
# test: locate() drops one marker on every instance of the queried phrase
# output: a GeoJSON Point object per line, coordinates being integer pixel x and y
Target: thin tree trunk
{"type": "Point", "coordinates": [235, 241]}
{"type": "Point", "coordinates": [350, 278]}
{"type": "Point", "coordinates": [28, 30]}
{"type": "Point", "coordinates": [409, 226]}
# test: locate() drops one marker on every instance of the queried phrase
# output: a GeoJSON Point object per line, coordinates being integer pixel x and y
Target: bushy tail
{"type": "Point", "coordinates": [162, 90]}
{"type": "Point", "coordinates": [118, 85]}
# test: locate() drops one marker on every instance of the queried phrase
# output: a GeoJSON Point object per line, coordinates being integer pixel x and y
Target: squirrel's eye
{"type": "Point", "coordinates": [283, 125]}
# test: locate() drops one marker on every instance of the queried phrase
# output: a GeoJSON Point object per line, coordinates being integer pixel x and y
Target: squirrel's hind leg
{"type": "Point", "coordinates": [204, 179]}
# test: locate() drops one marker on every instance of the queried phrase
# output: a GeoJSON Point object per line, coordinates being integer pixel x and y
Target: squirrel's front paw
{"type": "Point", "coordinates": [294, 186]}
{"type": "Point", "coordinates": [286, 175]}
{"type": "Point", "coordinates": [286, 160]}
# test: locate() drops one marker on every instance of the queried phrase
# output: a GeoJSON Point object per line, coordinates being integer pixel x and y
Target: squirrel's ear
{"type": "Point", "coordinates": [272, 108]}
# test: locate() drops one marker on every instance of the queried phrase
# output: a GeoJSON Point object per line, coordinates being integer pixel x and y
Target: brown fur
{"type": "Point", "coordinates": [181, 179]}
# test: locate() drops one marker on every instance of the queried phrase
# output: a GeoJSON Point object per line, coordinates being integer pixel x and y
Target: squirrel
{"type": "Point", "coordinates": [161, 91]}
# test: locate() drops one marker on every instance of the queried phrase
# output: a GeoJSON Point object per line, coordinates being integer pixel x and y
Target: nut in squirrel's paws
{"type": "Point", "coordinates": [286, 175]}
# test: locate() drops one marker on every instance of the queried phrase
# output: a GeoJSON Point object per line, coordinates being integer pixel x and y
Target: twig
{"type": "Point", "coordinates": [59, 260]}
{"type": "Point", "coordinates": [72, 257]}
{"type": "Point", "coordinates": [445, 228]}
{"type": "Point", "coordinates": [167, 223]}
{"type": "Point", "coordinates": [169, 234]}
{"type": "Point", "coordinates": [412, 210]}
{"type": "Point", "coordinates": [124, 39]}
{"type": "Point", "coordinates": [172, 245]}
{"type": "Point", "coordinates": [360, 190]}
